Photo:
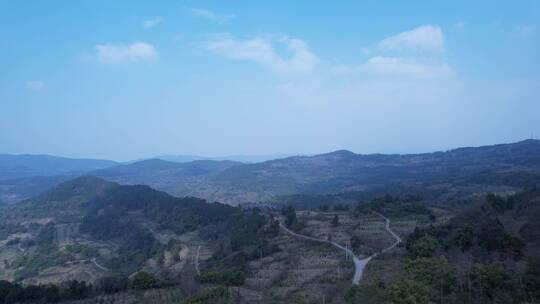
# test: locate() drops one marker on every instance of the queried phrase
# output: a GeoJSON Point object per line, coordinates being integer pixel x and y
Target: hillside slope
{"type": "Point", "coordinates": [472, 170]}
{"type": "Point", "coordinates": [442, 176]}
{"type": "Point", "coordinates": [88, 228]}
{"type": "Point", "coordinates": [179, 179]}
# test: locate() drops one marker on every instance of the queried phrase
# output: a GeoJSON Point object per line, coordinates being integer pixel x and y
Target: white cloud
{"type": "Point", "coordinates": [402, 67]}
{"type": "Point", "coordinates": [263, 51]}
{"type": "Point", "coordinates": [211, 15]}
{"type": "Point", "coordinates": [423, 38]}
{"type": "Point", "coordinates": [415, 54]}
{"type": "Point", "coordinates": [397, 67]}
{"type": "Point", "coordinates": [35, 85]}
{"type": "Point", "coordinates": [120, 53]}
{"type": "Point", "coordinates": [150, 23]}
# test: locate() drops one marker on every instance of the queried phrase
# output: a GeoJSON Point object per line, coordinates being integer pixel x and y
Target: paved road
{"type": "Point", "coordinates": [359, 264]}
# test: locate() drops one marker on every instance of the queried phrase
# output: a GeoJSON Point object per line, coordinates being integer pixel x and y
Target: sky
{"type": "Point", "coordinates": [131, 79]}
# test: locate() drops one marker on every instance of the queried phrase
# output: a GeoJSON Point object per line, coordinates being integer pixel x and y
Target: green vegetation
{"type": "Point", "coordinates": [143, 280]}
{"type": "Point", "coordinates": [290, 215]}
{"type": "Point", "coordinates": [7, 229]}
{"type": "Point", "coordinates": [472, 251]}
{"type": "Point", "coordinates": [397, 207]}
{"type": "Point", "coordinates": [335, 221]}
{"type": "Point", "coordinates": [249, 240]}
{"type": "Point", "coordinates": [211, 296]}
{"type": "Point", "coordinates": [45, 254]}
{"type": "Point", "coordinates": [71, 290]}
{"type": "Point", "coordinates": [482, 255]}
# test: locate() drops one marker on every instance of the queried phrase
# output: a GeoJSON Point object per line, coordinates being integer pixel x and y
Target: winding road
{"type": "Point", "coordinates": [359, 264]}
{"type": "Point", "coordinates": [93, 260]}
{"type": "Point", "coordinates": [197, 260]}
{"type": "Point", "coordinates": [21, 249]}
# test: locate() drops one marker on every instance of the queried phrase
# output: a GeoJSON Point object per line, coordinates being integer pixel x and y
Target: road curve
{"type": "Point", "coordinates": [394, 235]}
{"type": "Point", "coordinates": [93, 260]}
{"type": "Point", "coordinates": [359, 264]}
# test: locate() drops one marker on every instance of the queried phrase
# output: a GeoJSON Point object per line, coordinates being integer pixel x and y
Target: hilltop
{"type": "Point", "coordinates": [124, 229]}
{"type": "Point", "coordinates": [474, 170]}
{"type": "Point", "coordinates": [337, 176]}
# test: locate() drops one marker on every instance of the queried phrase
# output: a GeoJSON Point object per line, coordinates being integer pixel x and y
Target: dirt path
{"type": "Point", "coordinates": [21, 249]}
{"type": "Point", "coordinates": [197, 260]}
{"type": "Point", "coordinates": [394, 235]}
{"type": "Point", "coordinates": [93, 260]}
{"type": "Point", "coordinates": [359, 264]}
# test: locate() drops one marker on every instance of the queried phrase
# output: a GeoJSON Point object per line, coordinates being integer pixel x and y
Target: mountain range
{"type": "Point", "coordinates": [505, 165]}
{"type": "Point", "coordinates": [236, 158]}
{"type": "Point", "coordinates": [471, 170]}
{"type": "Point", "coordinates": [21, 166]}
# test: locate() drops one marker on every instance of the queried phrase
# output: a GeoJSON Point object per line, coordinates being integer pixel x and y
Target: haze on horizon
{"type": "Point", "coordinates": [129, 80]}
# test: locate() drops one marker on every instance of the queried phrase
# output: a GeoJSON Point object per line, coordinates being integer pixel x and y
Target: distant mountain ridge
{"type": "Point", "coordinates": [24, 176]}
{"type": "Point", "coordinates": [163, 172]}
{"type": "Point", "coordinates": [26, 165]}
{"type": "Point", "coordinates": [237, 158]}
{"type": "Point", "coordinates": [164, 175]}
{"type": "Point", "coordinates": [470, 169]}
{"type": "Point", "coordinates": [342, 171]}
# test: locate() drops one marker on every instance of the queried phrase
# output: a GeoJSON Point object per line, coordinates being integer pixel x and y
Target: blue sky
{"type": "Point", "coordinates": [132, 79]}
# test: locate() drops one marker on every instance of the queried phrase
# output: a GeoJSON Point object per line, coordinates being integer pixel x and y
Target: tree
{"type": "Point", "coordinates": [356, 242]}
{"type": "Point", "coordinates": [464, 237]}
{"type": "Point", "coordinates": [368, 293]}
{"type": "Point", "coordinates": [434, 272]}
{"type": "Point", "coordinates": [290, 215]}
{"type": "Point", "coordinates": [143, 280]}
{"type": "Point", "coordinates": [410, 292]}
{"type": "Point", "coordinates": [75, 290]}
{"type": "Point", "coordinates": [112, 284]}
{"type": "Point", "coordinates": [335, 221]}
{"type": "Point", "coordinates": [424, 247]}
{"type": "Point", "coordinates": [532, 277]}
{"type": "Point", "coordinates": [491, 278]}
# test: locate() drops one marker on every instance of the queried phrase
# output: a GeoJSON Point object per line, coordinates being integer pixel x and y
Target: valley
{"type": "Point", "coordinates": [269, 152]}
{"type": "Point", "coordinates": [426, 233]}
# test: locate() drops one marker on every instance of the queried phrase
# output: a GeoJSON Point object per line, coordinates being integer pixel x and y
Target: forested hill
{"type": "Point", "coordinates": [86, 195]}
{"type": "Point", "coordinates": [441, 176]}
{"type": "Point", "coordinates": [340, 164]}
{"type": "Point", "coordinates": [123, 227]}
{"type": "Point", "coordinates": [160, 171]}
{"type": "Point", "coordinates": [488, 253]}
{"type": "Point", "coordinates": [175, 178]}
{"type": "Point", "coordinates": [471, 169]}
